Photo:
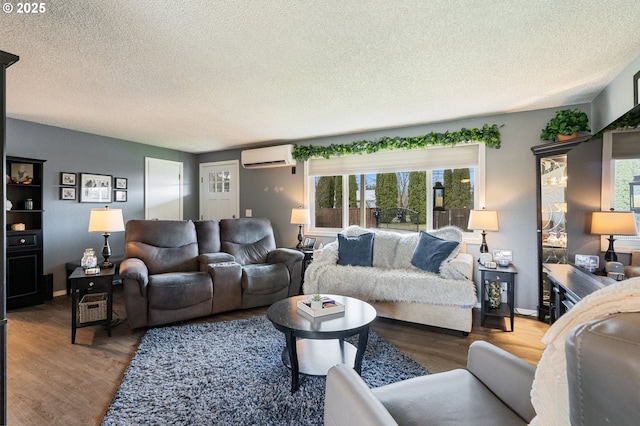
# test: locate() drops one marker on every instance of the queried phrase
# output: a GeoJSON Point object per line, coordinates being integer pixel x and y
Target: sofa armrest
{"type": "Point", "coordinates": [135, 269]}
{"type": "Point", "coordinates": [463, 263]}
{"type": "Point", "coordinates": [327, 255]}
{"type": "Point", "coordinates": [631, 271]}
{"type": "Point", "coordinates": [285, 255]}
{"type": "Point", "coordinates": [491, 365]}
{"type": "Point", "coordinates": [349, 401]}
{"type": "Point", "coordinates": [292, 259]}
{"type": "Point", "coordinates": [206, 258]}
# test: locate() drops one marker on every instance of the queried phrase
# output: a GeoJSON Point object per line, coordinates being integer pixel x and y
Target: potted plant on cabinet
{"type": "Point", "coordinates": [566, 125]}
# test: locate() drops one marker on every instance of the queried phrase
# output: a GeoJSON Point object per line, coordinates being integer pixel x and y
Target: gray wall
{"type": "Point", "coordinates": [616, 99]}
{"type": "Point", "coordinates": [269, 193]}
{"type": "Point", "coordinates": [272, 193]}
{"type": "Point", "coordinates": [511, 188]}
{"type": "Point", "coordinates": [66, 222]}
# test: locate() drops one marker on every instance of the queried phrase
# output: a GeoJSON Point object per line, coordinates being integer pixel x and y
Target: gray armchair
{"type": "Point", "coordinates": [603, 371]}
{"type": "Point", "coordinates": [493, 390]}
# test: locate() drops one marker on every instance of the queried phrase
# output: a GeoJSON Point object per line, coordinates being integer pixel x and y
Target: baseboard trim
{"type": "Point", "coordinates": [527, 312]}
{"type": "Point", "coordinates": [59, 293]}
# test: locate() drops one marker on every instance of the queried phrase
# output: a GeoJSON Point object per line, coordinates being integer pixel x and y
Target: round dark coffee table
{"type": "Point", "coordinates": [313, 345]}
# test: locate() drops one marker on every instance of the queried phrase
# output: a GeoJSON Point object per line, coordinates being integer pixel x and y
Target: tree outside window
{"type": "Point", "coordinates": [397, 200]}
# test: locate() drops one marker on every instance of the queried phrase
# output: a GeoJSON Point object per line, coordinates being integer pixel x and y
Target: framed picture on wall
{"type": "Point", "coordinates": [95, 188]}
{"type": "Point", "coordinates": [67, 179]}
{"type": "Point", "coordinates": [120, 195]}
{"type": "Point", "coordinates": [68, 193]}
{"type": "Point", "coordinates": [120, 183]}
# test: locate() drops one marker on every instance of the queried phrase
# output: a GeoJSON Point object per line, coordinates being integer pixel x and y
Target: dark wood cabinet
{"type": "Point", "coordinates": [551, 174]}
{"type": "Point", "coordinates": [568, 284]}
{"type": "Point", "coordinates": [24, 245]}
{"type": "Point", "coordinates": [6, 60]}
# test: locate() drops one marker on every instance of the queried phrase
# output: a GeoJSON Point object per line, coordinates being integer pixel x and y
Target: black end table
{"type": "Point", "coordinates": [501, 274]}
{"type": "Point", "coordinates": [71, 267]}
{"type": "Point", "coordinates": [82, 284]}
{"type": "Point", "coordinates": [313, 345]}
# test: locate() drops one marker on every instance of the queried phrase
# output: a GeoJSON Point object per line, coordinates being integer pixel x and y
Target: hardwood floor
{"type": "Point", "coordinates": [50, 381]}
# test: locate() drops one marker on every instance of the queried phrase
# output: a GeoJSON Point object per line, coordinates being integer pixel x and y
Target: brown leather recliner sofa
{"type": "Point", "coordinates": [179, 270]}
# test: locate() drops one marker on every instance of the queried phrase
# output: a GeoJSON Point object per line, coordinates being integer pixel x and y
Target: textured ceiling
{"type": "Point", "coordinates": [205, 75]}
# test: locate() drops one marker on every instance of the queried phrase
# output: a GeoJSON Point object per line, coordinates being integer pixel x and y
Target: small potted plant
{"type": "Point", "coordinates": [316, 302]}
{"type": "Point", "coordinates": [566, 125]}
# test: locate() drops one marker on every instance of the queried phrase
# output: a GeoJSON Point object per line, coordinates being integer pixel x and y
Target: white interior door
{"type": "Point", "coordinates": [219, 195]}
{"type": "Point", "coordinates": [162, 189]}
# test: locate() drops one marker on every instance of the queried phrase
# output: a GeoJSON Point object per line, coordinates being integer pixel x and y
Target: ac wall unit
{"type": "Point", "coordinates": [272, 156]}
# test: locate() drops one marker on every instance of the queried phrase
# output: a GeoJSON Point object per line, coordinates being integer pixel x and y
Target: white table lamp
{"type": "Point", "coordinates": [484, 220]}
{"type": "Point", "coordinates": [300, 217]}
{"type": "Point", "coordinates": [613, 223]}
{"type": "Point", "coordinates": [106, 220]}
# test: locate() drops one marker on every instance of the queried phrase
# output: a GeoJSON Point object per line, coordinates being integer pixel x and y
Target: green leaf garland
{"type": "Point", "coordinates": [490, 135]}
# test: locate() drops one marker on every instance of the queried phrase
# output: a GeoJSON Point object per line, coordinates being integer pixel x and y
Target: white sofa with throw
{"type": "Point", "coordinates": [438, 292]}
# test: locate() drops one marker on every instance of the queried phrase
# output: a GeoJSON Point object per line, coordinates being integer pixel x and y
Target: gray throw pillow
{"type": "Point", "coordinates": [356, 250]}
{"type": "Point", "coordinates": [431, 251]}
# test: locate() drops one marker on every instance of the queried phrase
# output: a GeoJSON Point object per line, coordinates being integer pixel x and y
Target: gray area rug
{"type": "Point", "coordinates": [231, 373]}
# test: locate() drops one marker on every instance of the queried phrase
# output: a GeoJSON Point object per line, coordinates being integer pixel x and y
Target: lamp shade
{"type": "Point", "coordinates": [484, 220]}
{"type": "Point", "coordinates": [106, 220]}
{"type": "Point", "coordinates": [300, 216]}
{"type": "Point", "coordinates": [613, 223]}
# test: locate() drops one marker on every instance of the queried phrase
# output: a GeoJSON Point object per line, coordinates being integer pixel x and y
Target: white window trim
{"type": "Point", "coordinates": [479, 199]}
{"type": "Point", "coordinates": [622, 245]}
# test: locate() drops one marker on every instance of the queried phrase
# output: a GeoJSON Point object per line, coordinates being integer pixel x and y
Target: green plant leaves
{"type": "Point", "coordinates": [489, 134]}
{"type": "Point", "coordinates": [565, 122]}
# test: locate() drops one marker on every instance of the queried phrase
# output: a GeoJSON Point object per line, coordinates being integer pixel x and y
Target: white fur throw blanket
{"type": "Point", "coordinates": [550, 391]}
{"type": "Point", "coordinates": [392, 278]}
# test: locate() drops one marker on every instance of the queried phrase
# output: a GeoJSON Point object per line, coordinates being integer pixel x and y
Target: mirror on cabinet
{"type": "Point", "coordinates": [553, 208]}
{"type": "Point", "coordinates": [621, 182]}
{"type": "Point", "coordinates": [551, 173]}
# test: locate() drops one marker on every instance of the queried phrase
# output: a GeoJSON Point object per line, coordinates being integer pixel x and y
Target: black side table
{"type": "Point", "coordinates": [71, 266]}
{"type": "Point", "coordinates": [506, 275]}
{"type": "Point", "coordinates": [308, 258]}
{"type": "Point", "coordinates": [82, 284]}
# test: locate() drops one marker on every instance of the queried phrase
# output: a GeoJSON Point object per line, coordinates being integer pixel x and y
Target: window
{"type": "Point", "coordinates": [620, 164]}
{"type": "Point", "coordinates": [394, 189]}
{"type": "Point", "coordinates": [327, 211]}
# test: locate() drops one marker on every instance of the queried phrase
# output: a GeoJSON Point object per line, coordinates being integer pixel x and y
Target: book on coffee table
{"type": "Point", "coordinates": [329, 306]}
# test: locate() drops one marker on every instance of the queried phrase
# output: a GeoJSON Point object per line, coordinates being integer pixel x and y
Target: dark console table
{"type": "Point", "coordinates": [569, 284]}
